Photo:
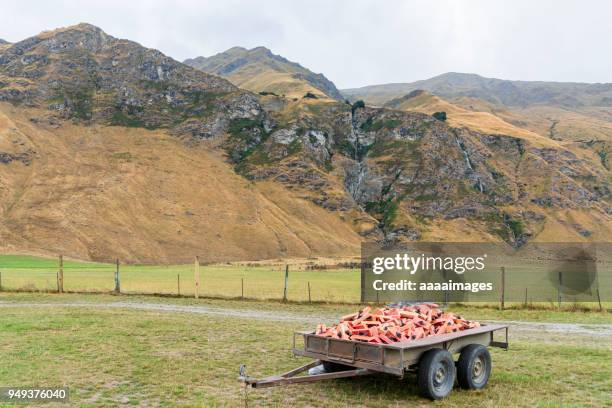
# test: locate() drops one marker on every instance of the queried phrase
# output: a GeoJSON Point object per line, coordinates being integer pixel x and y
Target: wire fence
{"type": "Point", "coordinates": [289, 282]}
{"type": "Point", "coordinates": [276, 282]}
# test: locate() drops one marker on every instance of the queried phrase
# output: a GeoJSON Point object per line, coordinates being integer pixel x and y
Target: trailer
{"type": "Point", "coordinates": [430, 357]}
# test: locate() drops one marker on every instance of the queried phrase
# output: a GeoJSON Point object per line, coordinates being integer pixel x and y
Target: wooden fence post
{"type": "Point", "coordinates": [178, 283]}
{"type": "Point", "coordinates": [559, 290]}
{"type": "Point", "coordinates": [502, 297]}
{"type": "Point", "coordinates": [362, 273]}
{"type": "Point", "coordinates": [196, 276]}
{"type": "Point", "coordinates": [60, 276]}
{"type": "Point", "coordinates": [525, 296]}
{"type": "Point", "coordinates": [309, 299]}
{"type": "Point", "coordinates": [241, 288]}
{"type": "Point", "coordinates": [117, 277]}
{"type": "Point", "coordinates": [286, 282]}
{"type": "Point", "coordinates": [598, 297]}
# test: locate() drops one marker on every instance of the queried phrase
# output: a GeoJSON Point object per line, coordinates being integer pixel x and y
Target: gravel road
{"type": "Point", "coordinates": [568, 333]}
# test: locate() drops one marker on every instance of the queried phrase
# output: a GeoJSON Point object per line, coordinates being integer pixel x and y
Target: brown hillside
{"type": "Point", "coordinates": [485, 122]}
{"type": "Point", "coordinates": [97, 192]}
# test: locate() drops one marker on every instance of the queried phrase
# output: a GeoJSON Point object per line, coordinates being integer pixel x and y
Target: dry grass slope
{"type": "Point", "coordinates": [96, 192]}
{"type": "Point", "coordinates": [275, 82]}
{"type": "Point", "coordinates": [484, 122]}
{"type": "Point", "coordinates": [259, 70]}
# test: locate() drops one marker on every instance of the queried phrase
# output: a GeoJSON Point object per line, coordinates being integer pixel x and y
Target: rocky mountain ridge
{"type": "Point", "coordinates": [83, 73]}
{"type": "Point", "coordinates": [497, 91]}
{"type": "Point", "coordinates": [578, 113]}
{"type": "Point", "coordinates": [259, 70]}
{"type": "Point", "coordinates": [407, 170]}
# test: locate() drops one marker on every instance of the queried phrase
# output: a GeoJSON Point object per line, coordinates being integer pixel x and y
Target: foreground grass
{"type": "Point", "coordinates": [114, 357]}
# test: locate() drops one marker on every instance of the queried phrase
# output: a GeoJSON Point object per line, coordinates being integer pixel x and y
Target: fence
{"type": "Point", "coordinates": [280, 282]}
{"type": "Point", "coordinates": [299, 282]}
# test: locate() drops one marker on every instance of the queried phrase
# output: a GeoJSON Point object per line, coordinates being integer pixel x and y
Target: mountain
{"type": "Point", "coordinates": [497, 91]}
{"type": "Point", "coordinates": [485, 122]}
{"type": "Point", "coordinates": [4, 44]}
{"type": "Point", "coordinates": [420, 178]}
{"type": "Point", "coordinates": [562, 111]}
{"type": "Point", "coordinates": [573, 130]}
{"type": "Point", "coordinates": [104, 192]}
{"type": "Point", "coordinates": [103, 154]}
{"type": "Point", "coordinates": [259, 70]}
{"type": "Point", "coordinates": [81, 72]}
{"type": "Point", "coordinates": [580, 124]}
{"type": "Point", "coordinates": [109, 149]}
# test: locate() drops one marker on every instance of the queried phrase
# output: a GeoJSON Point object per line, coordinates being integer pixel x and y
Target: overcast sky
{"type": "Point", "coordinates": [358, 42]}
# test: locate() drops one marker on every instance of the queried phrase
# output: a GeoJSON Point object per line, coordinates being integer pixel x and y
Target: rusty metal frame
{"type": "Point", "coordinates": [291, 377]}
{"type": "Point", "coordinates": [500, 344]}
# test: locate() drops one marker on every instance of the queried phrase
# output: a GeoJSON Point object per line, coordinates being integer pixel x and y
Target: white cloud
{"type": "Point", "coordinates": [358, 42]}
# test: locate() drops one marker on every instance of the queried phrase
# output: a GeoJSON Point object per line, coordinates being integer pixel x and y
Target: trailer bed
{"type": "Point", "coordinates": [396, 358]}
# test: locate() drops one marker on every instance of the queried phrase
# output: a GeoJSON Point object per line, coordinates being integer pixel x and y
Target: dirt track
{"type": "Point", "coordinates": [567, 333]}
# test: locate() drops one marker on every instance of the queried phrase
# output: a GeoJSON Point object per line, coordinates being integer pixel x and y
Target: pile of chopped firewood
{"type": "Point", "coordinates": [396, 324]}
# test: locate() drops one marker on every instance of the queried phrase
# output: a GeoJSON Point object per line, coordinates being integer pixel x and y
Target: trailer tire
{"type": "Point", "coordinates": [474, 367]}
{"type": "Point", "coordinates": [436, 374]}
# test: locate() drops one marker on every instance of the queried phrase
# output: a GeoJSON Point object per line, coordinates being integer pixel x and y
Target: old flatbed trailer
{"type": "Point", "coordinates": [431, 358]}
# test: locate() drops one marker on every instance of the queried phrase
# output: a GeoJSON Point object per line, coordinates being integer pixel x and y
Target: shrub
{"type": "Point", "coordinates": [516, 226]}
{"type": "Point", "coordinates": [358, 104]}
{"type": "Point", "coordinates": [392, 123]}
{"type": "Point", "coordinates": [371, 126]}
{"type": "Point", "coordinates": [440, 116]}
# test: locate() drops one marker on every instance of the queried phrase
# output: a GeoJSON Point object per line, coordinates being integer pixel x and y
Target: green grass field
{"type": "Point", "coordinates": [114, 357]}
{"type": "Point", "coordinates": [260, 282]}
{"type": "Point", "coordinates": [30, 273]}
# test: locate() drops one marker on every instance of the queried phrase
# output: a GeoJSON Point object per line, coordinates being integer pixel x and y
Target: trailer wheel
{"type": "Point", "coordinates": [436, 375]}
{"type": "Point", "coordinates": [474, 367]}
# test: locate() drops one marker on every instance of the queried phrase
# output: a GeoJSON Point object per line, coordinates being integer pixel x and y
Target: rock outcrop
{"type": "Point", "coordinates": [82, 73]}
{"type": "Point", "coordinates": [407, 170]}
